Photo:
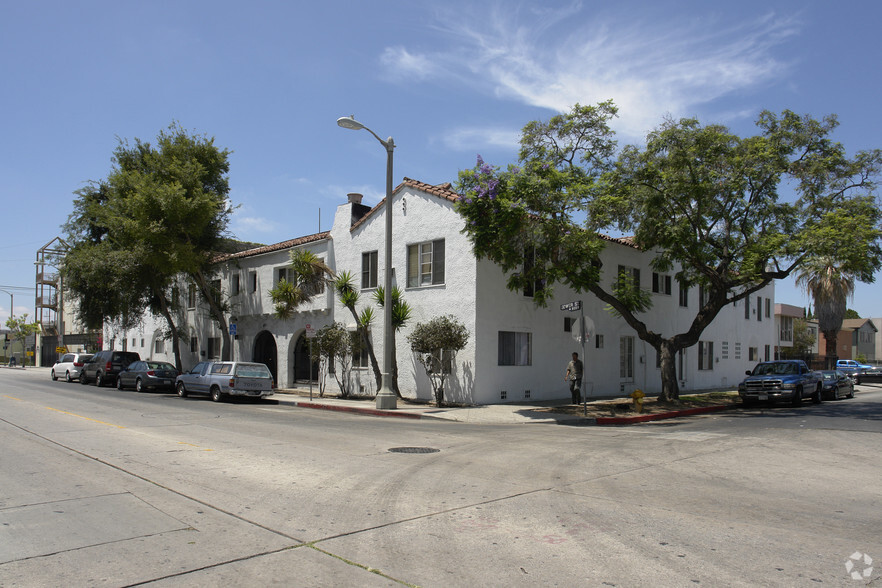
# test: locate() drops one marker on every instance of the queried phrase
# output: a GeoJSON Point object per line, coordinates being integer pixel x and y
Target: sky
{"type": "Point", "coordinates": [447, 80]}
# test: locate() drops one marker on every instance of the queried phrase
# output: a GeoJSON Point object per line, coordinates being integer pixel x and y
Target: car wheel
{"type": "Point", "coordinates": [851, 393]}
{"type": "Point", "coordinates": [138, 387]}
{"type": "Point", "coordinates": [797, 397]}
{"type": "Point", "coordinates": [83, 379]}
{"type": "Point", "coordinates": [816, 397]}
{"type": "Point", "coordinates": [835, 392]}
{"type": "Point", "coordinates": [182, 392]}
{"type": "Point", "coordinates": [67, 377]}
{"type": "Point", "coordinates": [216, 394]}
{"type": "Point", "coordinates": [119, 385]}
{"type": "Point", "coordinates": [53, 376]}
{"type": "Point", "coordinates": [99, 379]}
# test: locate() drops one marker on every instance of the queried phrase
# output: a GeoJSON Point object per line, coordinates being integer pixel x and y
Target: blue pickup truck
{"type": "Point", "coordinates": [783, 380]}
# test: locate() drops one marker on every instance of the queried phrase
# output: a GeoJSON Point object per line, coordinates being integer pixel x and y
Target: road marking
{"type": "Point", "coordinates": [79, 416]}
{"type": "Point", "coordinates": [192, 445]}
{"type": "Point", "coordinates": [13, 398]}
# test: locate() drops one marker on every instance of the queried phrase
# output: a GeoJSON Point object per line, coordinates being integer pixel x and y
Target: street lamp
{"type": "Point", "coordinates": [386, 398]}
{"type": "Point", "coordinates": [11, 303]}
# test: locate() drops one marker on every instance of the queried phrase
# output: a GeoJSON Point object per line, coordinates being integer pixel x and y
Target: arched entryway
{"type": "Point", "coordinates": [265, 352]}
{"type": "Point", "coordinates": [301, 361]}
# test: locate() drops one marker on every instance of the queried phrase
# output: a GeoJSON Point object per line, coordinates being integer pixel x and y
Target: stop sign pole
{"type": "Point", "coordinates": [583, 335]}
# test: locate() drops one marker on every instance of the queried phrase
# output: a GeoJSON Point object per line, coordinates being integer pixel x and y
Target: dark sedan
{"type": "Point", "coordinates": [837, 384]}
{"type": "Point", "coordinates": [147, 375]}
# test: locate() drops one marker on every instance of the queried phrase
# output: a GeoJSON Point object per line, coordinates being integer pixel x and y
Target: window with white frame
{"type": "Point", "coordinates": [425, 263]}
{"type": "Point", "coordinates": [759, 308]}
{"type": "Point", "coordinates": [747, 307]}
{"type": "Point", "coordinates": [752, 354]}
{"type": "Point", "coordinates": [159, 346]}
{"type": "Point", "coordinates": [630, 273]}
{"type": "Point", "coordinates": [368, 270]}
{"type": "Point", "coordinates": [705, 355]}
{"type": "Point", "coordinates": [684, 295]}
{"type": "Point", "coordinates": [661, 283]}
{"type": "Point", "coordinates": [234, 284]}
{"type": "Point", "coordinates": [284, 273]}
{"type": "Point", "coordinates": [515, 348]}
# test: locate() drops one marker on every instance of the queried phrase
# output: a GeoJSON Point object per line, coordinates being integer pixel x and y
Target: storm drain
{"type": "Point", "coordinates": [414, 450]}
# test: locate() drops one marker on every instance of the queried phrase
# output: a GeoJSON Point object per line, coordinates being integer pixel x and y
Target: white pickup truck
{"type": "Point", "coordinates": [220, 379]}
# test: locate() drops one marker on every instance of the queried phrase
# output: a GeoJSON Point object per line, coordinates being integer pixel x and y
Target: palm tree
{"type": "Point", "coordinates": [310, 275]}
{"type": "Point", "coordinates": [830, 288]}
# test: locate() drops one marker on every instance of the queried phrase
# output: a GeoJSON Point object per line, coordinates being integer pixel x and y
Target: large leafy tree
{"type": "Point", "coordinates": [162, 212]}
{"type": "Point", "coordinates": [830, 288]}
{"type": "Point", "coordinates": [724, 212]}
{"type": "Point", "coordinates": [20, 329]}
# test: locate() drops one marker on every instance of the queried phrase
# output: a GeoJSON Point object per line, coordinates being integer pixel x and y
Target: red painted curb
{"type": "Point", "coordinates": [656, 417]}
{"type": "Point", "coordinates": [353, 409]}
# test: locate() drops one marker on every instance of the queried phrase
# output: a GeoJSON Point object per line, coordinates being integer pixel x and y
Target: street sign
{"type": "Point", "coordinates": [61, 350]}
{"type": "Point", "coordinates": [577, 305]}
{"type": "Point", "coordinates": [233, 329]}
{"type": "Point", "coordinates": [310, 332]}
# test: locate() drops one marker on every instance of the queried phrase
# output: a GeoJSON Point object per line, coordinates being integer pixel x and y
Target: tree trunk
{"type": "Point", "coordinates": [217, 314]}
{"type": "Point", "coordinates": [670, 386]}
{"type": "Point", "coordinates": [830, 341]}
{"type": "Point", "coordinates": [176, 347]}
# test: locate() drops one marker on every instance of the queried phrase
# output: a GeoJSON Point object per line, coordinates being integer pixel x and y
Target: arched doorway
{"type": "Point", "coordinates": [301, 361]}
{"type": "Point", "coordinates": [265, 352]}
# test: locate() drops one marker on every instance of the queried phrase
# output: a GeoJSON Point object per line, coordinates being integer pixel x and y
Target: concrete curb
{"type": "Point", "coordinates": [355, 409]}
{"type": "Point", "coordinates": [642, 418]}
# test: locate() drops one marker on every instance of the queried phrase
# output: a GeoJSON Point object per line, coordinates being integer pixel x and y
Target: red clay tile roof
{"type": "Point", "coordinates": [444, 191]}
{"type": "Point", "coordinates": [276, 247]}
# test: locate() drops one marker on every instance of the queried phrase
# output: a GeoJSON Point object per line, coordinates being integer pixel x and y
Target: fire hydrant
{"type": "Point", "coordinates": [638, 395]}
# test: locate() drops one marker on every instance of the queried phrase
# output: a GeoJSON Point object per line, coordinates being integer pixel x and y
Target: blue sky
{"type": "Point", "coordinates": [447, 80]}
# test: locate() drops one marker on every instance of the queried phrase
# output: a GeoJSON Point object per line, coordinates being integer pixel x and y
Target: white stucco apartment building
{"type": "Point", "coordinates": [516, 351]}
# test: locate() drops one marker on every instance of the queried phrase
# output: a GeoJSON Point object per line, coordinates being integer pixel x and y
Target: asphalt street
{"type": "Point", "coordinates": [109, 488]}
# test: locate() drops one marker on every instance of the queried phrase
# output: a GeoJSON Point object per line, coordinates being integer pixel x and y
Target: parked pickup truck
{"type": "Point", "coordinates": [853, 368]}
{"type": "Point", "coordinates": [775, 381]}
{"type": "Point", "coordinates": [220, 379]}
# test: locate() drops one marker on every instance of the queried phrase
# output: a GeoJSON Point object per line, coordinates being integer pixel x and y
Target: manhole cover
{"type": "Point", "coordinates": [414, 450]}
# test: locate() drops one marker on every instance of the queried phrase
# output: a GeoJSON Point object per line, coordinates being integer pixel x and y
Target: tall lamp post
{"type": "Point", "coordinates": [11, 304]}
{"type": "Point", "coordinates": [386, 397]}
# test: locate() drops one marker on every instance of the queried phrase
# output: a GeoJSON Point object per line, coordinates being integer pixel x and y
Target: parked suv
{"type": "Point", "coordinates": [68, 367]}
{"type": "Point", "coordinates": [105, 365]}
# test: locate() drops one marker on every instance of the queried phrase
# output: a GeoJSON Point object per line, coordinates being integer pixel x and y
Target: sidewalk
{"type": "Point", "coordinates": [487, 414]}
{"type": "Point", "coordinates": [538, 413]}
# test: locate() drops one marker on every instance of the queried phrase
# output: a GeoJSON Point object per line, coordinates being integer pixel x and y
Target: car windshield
{"type": "Point", "coordinates": [253, 370]}
{"type": "Point", "coordinates": [777, 369]}
{"type": "Point", "coordinates": [159, 365]}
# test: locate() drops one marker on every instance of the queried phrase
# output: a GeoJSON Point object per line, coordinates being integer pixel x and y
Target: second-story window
{"type": "Point", "coordinates": [368, 270]}
{"type": "Point", "coordinates": [425, 263]}
{"type": "Point", "coordinates": [234, 284]}
{"type": "Point", "coordinates": [191, 296]}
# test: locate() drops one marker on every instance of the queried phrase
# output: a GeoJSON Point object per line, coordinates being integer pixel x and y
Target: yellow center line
{"type": "Point", "coordinates": [84, 417]}
{"type": "Point", "coordinates": [192, 445]}
{"type": "Point", "coordinates": [12, 398]}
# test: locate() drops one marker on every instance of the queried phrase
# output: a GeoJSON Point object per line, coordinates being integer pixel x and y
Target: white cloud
{"type": "Point", "coordinates": [402, 64]}
{"type": "Point", "coordinates": [471, 138]}
{"type": "Point", "coordinates": [554, 59]}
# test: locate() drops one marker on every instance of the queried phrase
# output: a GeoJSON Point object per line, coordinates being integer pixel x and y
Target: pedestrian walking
{"type": "Point", "coordinates": [574, 377]}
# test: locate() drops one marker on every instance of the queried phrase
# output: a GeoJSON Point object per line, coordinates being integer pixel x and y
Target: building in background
{"type": "Point", "coordinates": [515, 351]}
